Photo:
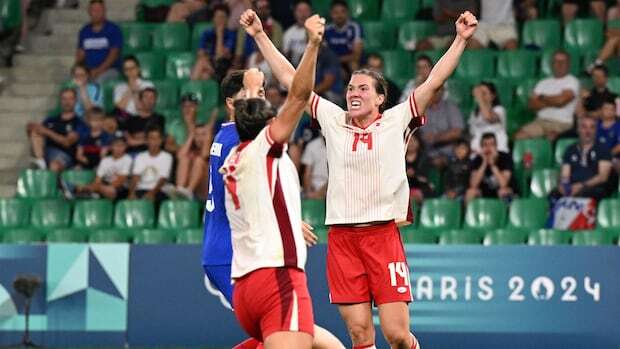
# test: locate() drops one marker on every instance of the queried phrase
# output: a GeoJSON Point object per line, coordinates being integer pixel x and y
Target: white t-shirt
{"type": "Point", "coordinates": [294, 43]}
{"type": "Point", "coordinates": [151, 169]}
{"type": "Point", "coordinates": [263, 206]}
{"type": "Point", "coordinates": [110, 167]}
{"type": "Point", "coordinates": [479, 126]}
{"type": "Point", "coordinates": [120, 90]}
{"type": "Point", "coordinates": [367, 175]}
{"type": "Point", "coordinates": [315, 156]}
{"type": "Point", "coordinates": [555, 86]}
{"type": "Point", "coordinates": [496, 12]}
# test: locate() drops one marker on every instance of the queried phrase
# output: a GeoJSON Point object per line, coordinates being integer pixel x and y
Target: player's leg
{"type": "Point", "coordinates": [394, 318]}
{"type": "Point", "coordinates": [287, 340]}
{"type": "Point", "coordinates": [358, 319]}
{"type": "Point", "coordinates": [323, 339]}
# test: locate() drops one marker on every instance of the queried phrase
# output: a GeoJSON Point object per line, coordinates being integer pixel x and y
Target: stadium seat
{"type": "Point", "coordinates": [459, 237]}
{"type": "Point", "coordinates": [313, 211]}
{"type": "Point", "coordinates": [137, 37]}
{"type": "Point", "coordinates": [179, 65]}
{"type": "Point", "coordinates": [50, 213]}
{"type": "Point", "coordinates": [396, 11]}
{"type": "Point", "coordinates": [10, 14]}
{"type": "Point", "coordinates": [177, 129]}
{"type": "Point", "coordinates": [108, 94]}
{"type": "Point", "coordinates": [364, 9]}
{"type": "Point", "coordinates": [65, 235]}
{"type": "Point", "coordinates": [608, 215]}
{"type": "Point", "coordinates": [155, 3]}
{"type": "Point", "coordinates": [542, 33]}
{"type": "Point", "coordinates": [592, 238]}
{"type": "Point", "coordinates": [151, 65]}
{"type": "Point", "coordinates": [378, 35]}
{"type": "Point", "coordinates": [410, 33]}
{"type": "Point", "coordinates": [14, 213]}
{"type": "Point", "coordinates": [167, 94]}
{"type": "Point", "coordinates": [476, 65]}
{"type": "Point", "coordinates": [528, 213]}
{"type": "Point", "coordinates": [179, 214]}
{"type": "Point", "coordinates": [460, 93]}
{"type": "Point", "coordinates": [584, 34]}
{"type": "Point", "coordinates": [397, 63]}
{"type": "Point", "coordinates": [560, 148]}
{"type": "Point", "coordinates": [440, 213]}
{"type": "Point", "coordinates": [169, 37]}
{"type": "Point", "coordinates": [516, 65]}
{"type": "Point", "coordinates": [614, 84]}
{"type": "Point", "coordinates": [78, 177]}
{"type": "Point", "coordinates": [546, 237]}
{"type": "Point", "coordinates": [505, 236]}
{"type": "Point", "coordinates": [207, 92]}
{"type": "Point", "coordinates": [505, 90]}
{"type": "Point", "coordinates": [540, 148]}
{"type": "Point", "coordinates": [153, 236]}
{"type": "Point", "coordinates": [543, 182]}
{"type": "Point", "coordinates": [37, 184]}
{"type": "Point", "coordinates": [109, 235]}
{"type": "Point", "coordinates": [199, 28]}
{"type": "Point", "coordinates": [546, 58]}
{"type": "Point", "coordinates": [522, 92]}
{"type": "Point", "coordinates": [189, 236]}
{"type": "Point", "coordinates": [516, 117]}
{"type": "Point", "coordinates": [322, 7]}
{"type": "Point", "coordinates": [22, 236]}
{"type": "Point", "coordinates": [485, 214]}
{"type": "Point", "coordinates": [134, 214]}
{"type": "Point", "coordinates": [411, 235]}
{"type": "Point", "coordinates": [93, 214]}
{"type": "Point", "coordinates": [434, 55]}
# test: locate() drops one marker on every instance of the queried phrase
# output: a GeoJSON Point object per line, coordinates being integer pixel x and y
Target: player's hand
{"type": "Point", "coordinates": [466, 25]}
{"type": "Point", "coordinates": [253, 80]}
{"type": "Point", "coordinates": [310, 238]}
{"type": "Point", "coordinates": [251, 23]}
{"type": "Point", "coordinates": [315, 27]}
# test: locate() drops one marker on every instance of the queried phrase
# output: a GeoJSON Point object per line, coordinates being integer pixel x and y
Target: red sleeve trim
{"type": "Point", "coordinates": [268, 135]}
{"type": "Point", "coordinates": [413, 107]}
{"type": "Point", "coordinates": [314, 105]}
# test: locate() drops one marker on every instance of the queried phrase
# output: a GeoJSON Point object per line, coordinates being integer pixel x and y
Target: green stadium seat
{"type": "Point", "coordinates": [517, 118]}
{"type": "Point", "coordinates": [137, 37]}
{"type": "Point", "coordinates": [156, 3]}
{"type": "Point", "coordinates": [440, 213]}
{"type": "Point", "coordinates": [459, 237]}
{"type": "Point", "coordinates": [364, 9]}
{"type": "Point", "coordinates": [321, 232]}
{"type": "Point", "coordinates": [109, 235]}
{"type": "Point", "coordinates": [189, 236]}
{"type": "Point", "coordinates": [168, 37]}
{"type": "Point", "coordinates": [22, 236]}
{"type": "Point", "coordinates": [179, 214]}
{"type": "Point", "coordinates": [540, 148]}
{"type": "Point", "coordinates": [545, 237]}
{"type": "Point", "coordinates": [321, 7]}
{"type": "Point", "coordinates": [179, 65]}
{"type": "Point", "coordinates": [14, 213]}
{"type": "Point", "coordinates": [589, 58]}
{"type": "Point", "coordinates": [167, 94]}
{"type": "Point", "coordinates": [170, 114]}
{"type": "Point", "coordinates": [177, 129]}
{"type": "Point", "coordinates": [65, 235]}
{"type": "Point", "coordinates": [584, 34]}
{"type": "Point", "coordinates": [434, 55]}
{"type": "Point", "coordinates": [410, 33]}
{"type": "Point", "coordinates": [411, 235]}
{"type": "Point", "coordinates": [476, 65]}
{"type": "Point", "coordinates": [207, 92]}
{"type": "Point", "coordinates": [505, 236]}
{"type": "Point", "coordinates": [199, 28]}
{"type": "Point", "coordinates": [543, 182]}
{"type": "Point", "coordinates": [592, 238]}
{"type": "Point", "coordinates": [397, 63]}
{"type": "Point", "coordinates": [78, 177]}
{"type": "Point", "coordinates": [108, 94]}
{"type": "Point", "coordinates": [427, 4]}
{"type": "Point", "coordinates": [614, 84]}
{"type": "Point", "coordinates": [560, 148]}
{"type": "Point", "coordinates": [546, 58]}
{"type": "Point", "coordinates": [516, 65]}
{"type": "Point", "coordinates": [134, 214]}
{"type": "Point", "coordinates": [523, 91]}
{"type": "Point", "coordinates": [505, 90]}
{"type": "Point", "coordinates": [399, 10]}
{"type": "Point", "coordinates": [313, 211]}
{"type": "Point", "coordinates": [541, 33]}
{"type": "Point", "coordinates": [151, 65]}
{"type": "Point", "coordinates": [37, 184]}
{"type": "Point", "coordinates": [93, 214]}
{"type": "Point", "coordinates": [10, 14]}
{"type": "Point", "coordinates": [153, 236]}
{"type": "Point", "coordinates": [379, 35]}
{"type": "Point", "coordinates": [608, 215]}
{"type": "Point", "coordinates": [485, 214]}
{"type": "Point", "coordinates": [529, 213]}
{"type": "Point", "coordinates": [50, 213]}
{"type": "Point", "coordinates": [460, 93]}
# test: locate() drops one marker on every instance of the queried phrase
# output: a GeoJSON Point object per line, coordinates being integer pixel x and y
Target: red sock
{"type": "Point", "coordinates": [249, 343]}
{"type": "Point", "coordinates": [365, 346]}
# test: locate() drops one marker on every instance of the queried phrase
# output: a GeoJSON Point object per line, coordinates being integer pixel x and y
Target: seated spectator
{"type": "Point", "coordinates": [344, 36]}
{"type": "Point", "coordinates": [146, 119]}
{"type": "Point", "coordinates": [612, 38]}
{"type": "Point", "coordinates": [181, 10]}
{"type": "Point", "coordinates": [246, 46]}
{"type": "Point", "coordinates": [608, 131]}
{"type": "Point", "coordinates": [54, 140]}
{"type": "Point", "coordinates": [417, 166]}
{"type": "Point", "coordinates": [526, 10]}
{"type": "Point", "coordinates": [491, 172]}
{"type": "Point", "coordinates": [571, 8]}
{"type": "Point", "coordinates": [151, 169]}
{"type": "Point", "coordinates": [488, 116]}
{"type": "Point", "coordinates": [554, 100]}
{"type": "Point", "coordinates": [445, 14]}
{"type": "Point", "coordinates": [314, 158]}
{"type": "Point", "coordinates": [329, 82]}
{"type": "Point", "coordinates": [497, 25]}
{"type": "Point", "coordinates": [99, 44]}
{"type": "Point", "coordinates": [217, 46]}
{"type": "Point", "coordinates": [295, 40]}
{"type": "Point", "coordinates": [193, 164]}
{"type": "Point", "coordinates": [375, 63]}
{"type": "Point", "coordinates": [591, 101]}
{"type": "Point", "coordinates": [444, 126]}
{"type": "Point", "coordinates": [586, 165]}
{"type": "Point", "coordinates": [127, 94]}
{"type": "Point", "coordinates": [456, 176]}
{"type": "Point", "coordinates": [89, 94]}
{"type": "Point", "coordinates": [423, 67]}
{"type": "Point", "coordinates": [94, 141]}
{"type": "Point", "coordinates": [112, 173]}
{"type": "Point", "coordinates": [110, 124]}
{"type": "Point", "coordinates": [189, 113]}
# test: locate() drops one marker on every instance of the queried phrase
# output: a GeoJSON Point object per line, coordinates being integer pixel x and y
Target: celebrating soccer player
{"type": "Point", "coordinates": [367, 193]}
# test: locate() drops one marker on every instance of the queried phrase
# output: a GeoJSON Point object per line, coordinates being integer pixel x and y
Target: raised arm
{"type": "Point", "coordinates": [466, 25]}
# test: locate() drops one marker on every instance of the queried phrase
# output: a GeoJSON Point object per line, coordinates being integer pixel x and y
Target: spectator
{"type": "Point", "coordinates": [445, 13]}
{"type": "Point", "coordinates": [146, 119]}
{"type": "Point", "coordinates": [586, 165]}
{"type": "Point", "coordinates": [344, 36]}
{"type": "Point", "coordinates": [94, 141]}
{"type": "Point", "coordinates": [193, 164]}
{"type": "Point", "coordinates": [216, 50]}
{"type": "Point", "coordinates": [329, 81]}
{"type": "Point", "coordinates": [314, 158]}
{"type": "Point", "coordinates": [275, 96]}
{"type": "Point", "coordinates": [612, 41]}
{"type": "Point", "coordinates": [151, 169]}
{"type": "Point", "coordinates": [417, 166]}
{"type": "Point", "coordinates": [127, 94]}
{"type": "Point", "coordinates": [443, 128]}
{"type": "Point", "coordinates": [189, 113]}
{"type": "Point", "coordinates": [423, 67]}
{"type": "Point", "coordinates": [237, 7]}
{"type": "Point", "coordinates": [110, 124]}
{"type": "Point", "coordinates": [488, 116]}
{"type": "Point", "coordinates": [185, 8]}
{"type": "Point", "coordinates": [375, 63]}
{"type": "Point", "coordinates": [100, 44]}
{"type": "Point", "coordinates": [591, 101]}
{"type": "Point", "coordinates": [554, 100]}
{"type": "Point", "coordinates": [89, 94]}
{"type": "Point", "coordinates": [294, 41]}
{"type": "Point", "coordinates": [570, 9]}
{"type": "Point", "coordinates": [497, 24]}
{"type": "Point", "coordinates": [491, 172]}
{"type": "Point", "coordinates": [456, 177]}
{"type": "Point", "coordinates": [526, 10]}
{"type": "Point", "coordinates": [54, 141]}
{"type": "Point", "coordinates": [246, 46]}
{"type": "Point", "coordinates": [608, 130]}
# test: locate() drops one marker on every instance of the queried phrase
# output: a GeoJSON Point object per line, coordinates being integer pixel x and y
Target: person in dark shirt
{"type": "Point", "coordinates": [491, 172]}
{"type": "Point", "coordinates": [456, 177]}
{"type": "Point", "coordinates": [375, 62]}
{"type": "Point", "coordinates": [591, 101]}
{"type": "Point", "coordinates": [94, 142]}
{"type": "Point", "coordinates": [329, 81]}
{"type": "Point", "coordinates": [417, 166]}
{"type": "Point", "coordinates": [147, 118]}
{"type": "Point", "coordinates": [54, 141]}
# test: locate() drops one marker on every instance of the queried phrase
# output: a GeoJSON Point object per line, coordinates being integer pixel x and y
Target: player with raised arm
{"type": "Point", "coordinates": [367, 193]}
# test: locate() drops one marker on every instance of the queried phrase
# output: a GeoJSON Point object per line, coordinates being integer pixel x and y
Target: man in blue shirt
{"type": "Point", "coordinates": [217, 46]}
{"type": "Point", "coordinates": [99, 44]}
{"type": "Point", "coordinates": [344, 36]}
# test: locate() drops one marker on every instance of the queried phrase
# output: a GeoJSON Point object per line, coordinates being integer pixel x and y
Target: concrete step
{"type": "Point", "coordinates": [29, 89]}
{"type": "Point", "coordinates": [124, 13]}
{"type": "Point", "coordinates": [66, 29]}
{"type": "Point", "coordinates": [20, 119]}
{"type": "Point", "coordinates": [48, 62]}
{"type": "Point", "coordinates": [13, 133]}
{"type": "Point", "coordinates": [52, 44]}
{"type": "Point", "coordinates": [37, 75]}
{"type": "Point", "coordinates": [7, 191]}
{"type": "Point", "coordinates": [13, 163]}
{"type": "Point", "coordinates": [14, 149]}
{"type": "Point", "coordinates": [25, 104]}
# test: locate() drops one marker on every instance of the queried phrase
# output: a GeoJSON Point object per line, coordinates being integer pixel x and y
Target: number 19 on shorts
{"type": "Point", "coordinates": [399, 276]}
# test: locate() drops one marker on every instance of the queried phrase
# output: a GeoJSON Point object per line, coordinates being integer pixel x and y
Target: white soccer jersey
{"type": "Point", "coordinates": [263, 206]}
{"type": "Point", "coordinates": [367, 176]}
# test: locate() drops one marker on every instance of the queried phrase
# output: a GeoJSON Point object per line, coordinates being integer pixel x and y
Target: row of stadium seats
{"type": "Point", "coordinates": [10, 14]}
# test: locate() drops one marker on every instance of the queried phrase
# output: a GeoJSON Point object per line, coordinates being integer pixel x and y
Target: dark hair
{"type": "Point", "coordinates": [380, 84]}
{"type": "Point", "coordinates": [155, 128]}
{"type": "Point", "coordinates": [131, 58]}
{"type": "Point", "coordinates": [79, 66]}
{"type": "Point", "coordinates": [307, 2]}
{"type": "Point", "coordinates": [602, 68]}
{"type": "Point", "coordinates": [425, 58]}
{"type": "Point", "coordinates": [461, 141]}
{"type": "Point", "coordinates": [92, 2]}
{"type": "Point", "coordinates": [96, 110]}
{"type": "Point", "coordinates": [493, 89]}
{"type": "Point", "coordinates": [232, 83]}
{"type": "Point", "coordinates": [488, 135]}
{"type": "Point", "coordinates": [222, 7]}
{"type": "Point", "coordinates": [251, 116]}
{"type": "Point", "coordinates": [147, 89]}
{"type": "Point", "coordinates": [339, 3]}
{"type": "Point", "coordinates": [68, 89]}
{"type": "Point", "coordinates": [610, 99]}
{"type": "Point", "coordinates": [561, 52]}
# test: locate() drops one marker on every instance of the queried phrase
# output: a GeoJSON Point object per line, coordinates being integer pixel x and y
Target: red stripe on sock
{"type": "Point", "coordinates": [366, 346]}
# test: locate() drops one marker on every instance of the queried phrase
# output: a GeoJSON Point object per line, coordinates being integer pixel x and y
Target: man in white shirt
{"type": "Point", "coordinates": [554, 100]}
{"type": "Point", "coordinates": [151, 169]}
{"type": "Point", "coordinates": [294, 41]}
{"type": "Point", "coordinates": [497, 25]}
{"type": "Point", "coordinates": [314, 159]}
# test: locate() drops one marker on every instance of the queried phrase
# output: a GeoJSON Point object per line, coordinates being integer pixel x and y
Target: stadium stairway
{"type": "Point", "coordinates": [33, 82]}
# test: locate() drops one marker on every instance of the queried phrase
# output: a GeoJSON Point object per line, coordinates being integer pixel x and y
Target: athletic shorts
{"type": "Point", "coordinates": [272, 300]}
{"type": "Point", "coordinates": [367, 264]}
{"type": "Point", "coordinates": [219, 283]}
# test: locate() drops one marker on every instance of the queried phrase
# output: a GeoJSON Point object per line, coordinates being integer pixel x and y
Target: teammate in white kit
{"type": "Point", "coordinates": [367, 193]}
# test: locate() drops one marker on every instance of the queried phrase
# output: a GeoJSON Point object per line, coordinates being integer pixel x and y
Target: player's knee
{"type": "Point", "coordinates": [361, 333]}
{"type": "Point", "coordinates": [398, 337]}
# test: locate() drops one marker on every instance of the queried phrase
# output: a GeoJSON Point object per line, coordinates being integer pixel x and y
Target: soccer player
{"type": "Point", "coordinates": [367, 193]}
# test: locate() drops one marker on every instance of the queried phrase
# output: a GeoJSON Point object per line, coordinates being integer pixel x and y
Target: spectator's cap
{"type": "Point", "coordinates": [189, 97]}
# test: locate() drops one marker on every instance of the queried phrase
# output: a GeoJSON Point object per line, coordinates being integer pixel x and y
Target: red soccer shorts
{"type": "Point", "coordinates": [271, 300]}
{"type": "Point", "coordinates": [367, 264]}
